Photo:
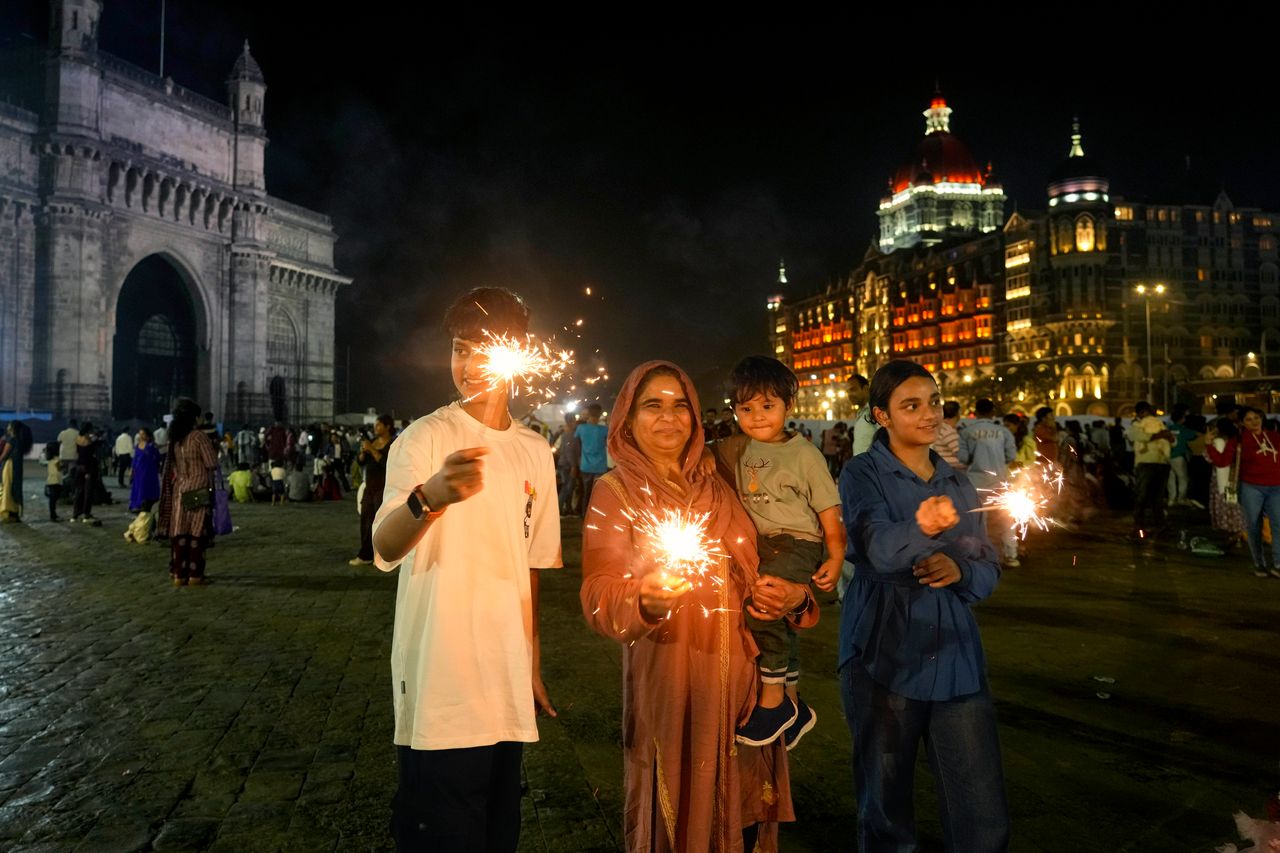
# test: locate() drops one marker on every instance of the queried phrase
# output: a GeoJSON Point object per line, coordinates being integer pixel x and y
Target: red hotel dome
{"type": "Point", "coordinates": [939, 157]}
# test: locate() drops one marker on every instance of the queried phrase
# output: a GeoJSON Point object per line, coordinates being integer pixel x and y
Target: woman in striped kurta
{"type": "Point", "coordinates": [188, 466]}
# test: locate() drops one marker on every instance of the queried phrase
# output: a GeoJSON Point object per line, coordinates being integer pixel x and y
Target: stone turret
{"type": "Point", "coordinates": [72, 79]}
{"type": "Point", "coordinates": [246, 90]}
{"type": "Point", "coordinates": [73, 25]}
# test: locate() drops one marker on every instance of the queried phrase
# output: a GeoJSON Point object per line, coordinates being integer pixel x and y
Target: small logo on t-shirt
{"type": "Point", "coordinates": [528, 506]}
{"type": "Point", "coordinates": [754, 469]}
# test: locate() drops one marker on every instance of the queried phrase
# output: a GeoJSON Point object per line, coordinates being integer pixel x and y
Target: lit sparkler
{"type": "Point", "coordinates": [522, 364]}
{"type": "Point", "coordinates": [1025, 504]}
{"type": "Point", "coordinates": [680, 544]}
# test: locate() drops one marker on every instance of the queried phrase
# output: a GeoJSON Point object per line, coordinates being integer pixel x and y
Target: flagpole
{"type": "Point", "coordinates": [162, 4]}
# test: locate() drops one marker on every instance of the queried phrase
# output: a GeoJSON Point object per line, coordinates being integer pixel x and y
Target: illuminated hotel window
{"type": "Point", "coordinates": [1217, 217]}
{"type": "Point", "coordinates": [1266, 244]}
{"type": "Point", "coordinates": [1235, 218]}
{"type": "Point", "coordinates": [1161, 215]}
{"type": "Point", "coordinates": [1124, 214]}
{"type": "Point", "coordinates": [1199, 216]}
{"type": "Point", "coordinates": [1262, 222]}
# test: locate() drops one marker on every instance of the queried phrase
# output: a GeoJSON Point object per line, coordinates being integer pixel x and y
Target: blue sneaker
{"type": "Point", "coordinates": [767, 724]}
{"type": "Point", "coordinates": [806, 719]}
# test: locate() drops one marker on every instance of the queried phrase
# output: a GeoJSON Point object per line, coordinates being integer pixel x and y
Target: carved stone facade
{"type": "Point", "coordinates": [141, 256]}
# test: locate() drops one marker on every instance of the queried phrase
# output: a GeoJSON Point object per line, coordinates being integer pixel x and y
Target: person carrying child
{"type": "Point", "coordinates": [788, 491]}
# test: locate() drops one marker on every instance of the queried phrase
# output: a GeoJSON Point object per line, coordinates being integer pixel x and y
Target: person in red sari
{"type": "Point", "coordinates": [689, 674]}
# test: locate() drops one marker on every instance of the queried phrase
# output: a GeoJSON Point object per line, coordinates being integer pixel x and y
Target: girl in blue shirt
{"type": "Point", "coordinates": [911, 661]}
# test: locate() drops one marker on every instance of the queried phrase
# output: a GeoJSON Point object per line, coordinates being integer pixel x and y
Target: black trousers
{"type": "Point", "coordinates": [368, 509]}
{"type": "Point", "coordinates": [458, 800]}
{"type": "Point", "coordinates": [1150, 490]}
{"type": "Point", "coordinates": [84, 480]}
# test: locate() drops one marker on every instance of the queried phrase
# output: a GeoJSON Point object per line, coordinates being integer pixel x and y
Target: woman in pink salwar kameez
{"type": "Point", "coordinates": [689, 673]}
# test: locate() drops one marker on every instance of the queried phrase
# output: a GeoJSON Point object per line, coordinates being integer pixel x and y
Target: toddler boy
{"type": "Point", "coordinates": [786, 487]}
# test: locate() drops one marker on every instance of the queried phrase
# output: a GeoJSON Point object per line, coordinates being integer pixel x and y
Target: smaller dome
{"type": "Point", "coordinates": [246, 67]}
{"type": "Point", "coordinates": [1076, 167]}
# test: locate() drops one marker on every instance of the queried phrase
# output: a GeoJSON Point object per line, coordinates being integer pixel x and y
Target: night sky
{"type": "Point", "coordinates": [669, 166]}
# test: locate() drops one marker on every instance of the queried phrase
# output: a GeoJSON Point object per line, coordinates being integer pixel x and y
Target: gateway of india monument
{"type": "Point", "coordinates": [141, 256]}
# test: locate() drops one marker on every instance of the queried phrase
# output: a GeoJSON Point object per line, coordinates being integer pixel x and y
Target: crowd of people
{"type": "Point", "coordinates": [467, 502]}
{"type": "Point", "coordinates": [274, 464]}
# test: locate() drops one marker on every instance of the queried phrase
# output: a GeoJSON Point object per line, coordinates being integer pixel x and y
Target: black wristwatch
{"type": "Point", "coordinates": [418, 506]}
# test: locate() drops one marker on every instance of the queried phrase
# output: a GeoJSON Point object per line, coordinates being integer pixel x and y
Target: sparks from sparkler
{"type": "Point", "coordinates": [522, 364]}
{"type": "Point", "coordinates": [1025, 504]}
{"type": "Point", "coordinates": [680, 544]}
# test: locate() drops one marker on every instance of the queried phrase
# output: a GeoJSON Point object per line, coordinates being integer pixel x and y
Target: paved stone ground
{"type": "Point", "coordinates": [254, 714]}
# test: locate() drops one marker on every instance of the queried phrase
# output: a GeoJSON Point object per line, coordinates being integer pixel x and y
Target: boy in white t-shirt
{"type": "Point", "coordinates": [469, 515]}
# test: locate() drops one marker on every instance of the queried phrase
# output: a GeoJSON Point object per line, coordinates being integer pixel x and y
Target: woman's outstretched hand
{"type": "Point", "coordinates": [659, 593]}
{"type": "Point", "coordinates": [936, 515]}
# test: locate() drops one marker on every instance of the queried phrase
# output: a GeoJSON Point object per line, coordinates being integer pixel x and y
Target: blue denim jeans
{"type": "Point", "coordinates": [1256, 501]}
{"type": "Point", "coordinates": [963, 747]}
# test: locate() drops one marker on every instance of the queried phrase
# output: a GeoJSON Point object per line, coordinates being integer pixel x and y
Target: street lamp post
{"type": "Point", "coordinates": [1146, 293]}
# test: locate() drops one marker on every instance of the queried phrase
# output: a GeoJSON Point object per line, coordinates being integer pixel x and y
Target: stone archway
{"type": "Point", "coordinates": [156, 346]}
{"type": "Point", "coordinates": [279, 390]}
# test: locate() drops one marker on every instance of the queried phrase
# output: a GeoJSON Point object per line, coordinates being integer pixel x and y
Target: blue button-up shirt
{"type": "Point", "coordinates": [918, 642]}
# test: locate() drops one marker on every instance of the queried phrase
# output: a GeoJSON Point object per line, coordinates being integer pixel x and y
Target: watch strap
{"type": "Point", "coordinates": [427, 512]}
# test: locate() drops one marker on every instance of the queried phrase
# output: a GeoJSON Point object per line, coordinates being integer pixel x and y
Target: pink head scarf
{"type": "Point", "coordinates": [728, 522]}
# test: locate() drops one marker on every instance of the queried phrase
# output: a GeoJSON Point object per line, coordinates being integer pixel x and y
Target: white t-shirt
{"type": "Point", "coordinates": [462, 651]}
{"type": "Point", "coordinates": [67, 444]}
{"type": "Point", "coordinates": [124, 444]}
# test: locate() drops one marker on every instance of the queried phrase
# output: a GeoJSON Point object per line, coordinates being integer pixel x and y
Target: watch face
{"type": "Point", "coordinates": [415, 505]}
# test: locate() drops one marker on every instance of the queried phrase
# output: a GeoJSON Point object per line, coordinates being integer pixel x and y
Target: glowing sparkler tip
{"type": "Point", "coordinates": [680, 544]}
{"type": "Point", "coordinates": [515, 363]}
